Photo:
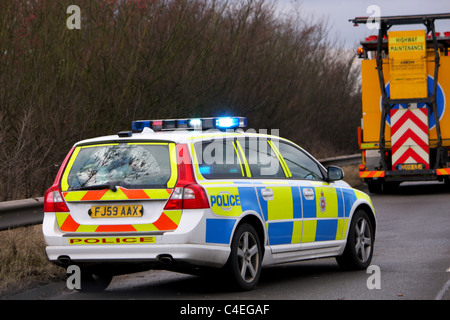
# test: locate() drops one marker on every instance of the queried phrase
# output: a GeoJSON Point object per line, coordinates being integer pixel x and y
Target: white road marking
{"type": "Point", "coordinates": [444, 289]}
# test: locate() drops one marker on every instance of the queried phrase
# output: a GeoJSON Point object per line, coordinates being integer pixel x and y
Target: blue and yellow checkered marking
{"type": "Point", "coordinates": [280, 232]}
{"type": "Point", "coordinates": [316, 223]}
{"type": "Point", "coordinates": [349, 198]}
{"type": "Point", "coordinates": [291, 217]}
{"type": "Point", "coordinates": [219, 230]}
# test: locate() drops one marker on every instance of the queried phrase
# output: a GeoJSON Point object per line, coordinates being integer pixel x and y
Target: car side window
{"type": "Point", "coordinates": [299, 163]}
{"type": "Point", "coordinates": [262, 160]}
{"type": "Point", "coordinates": [217, 159]}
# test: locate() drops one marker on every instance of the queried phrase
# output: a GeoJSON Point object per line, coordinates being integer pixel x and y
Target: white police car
{"type": "Point", "coordinates": [168, 194]}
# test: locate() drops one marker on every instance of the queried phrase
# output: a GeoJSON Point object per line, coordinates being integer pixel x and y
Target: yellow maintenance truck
{"type": "Point", "coordinates": [405, 125]}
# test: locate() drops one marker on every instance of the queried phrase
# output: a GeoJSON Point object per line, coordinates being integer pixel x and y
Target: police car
{"type": "Point", "coordinates": [200, 193]}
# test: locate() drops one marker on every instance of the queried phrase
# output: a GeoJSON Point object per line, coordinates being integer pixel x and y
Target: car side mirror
{"type": "Point", "coordinates": [334, 173]}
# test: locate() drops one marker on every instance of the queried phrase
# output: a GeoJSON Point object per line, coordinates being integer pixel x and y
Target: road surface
{"type": "Point", "coordinates": [411, 261]}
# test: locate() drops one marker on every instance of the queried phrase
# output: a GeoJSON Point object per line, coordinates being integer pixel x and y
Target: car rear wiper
{"type": "Point", "coordinates": [112, 186]}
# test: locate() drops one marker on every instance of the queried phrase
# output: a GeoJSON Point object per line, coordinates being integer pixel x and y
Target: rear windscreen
{"type": "Point", "coordinates": [127, 165]}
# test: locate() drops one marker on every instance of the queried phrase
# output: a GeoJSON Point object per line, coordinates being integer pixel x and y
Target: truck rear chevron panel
{"type": "Point", "coordinates": [409, 137]}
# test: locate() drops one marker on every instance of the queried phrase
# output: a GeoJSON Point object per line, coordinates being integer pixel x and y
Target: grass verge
{"type": "Point", "coordinates": [351, 176]}
{"type": "Point", "coordinates": [23, 261]}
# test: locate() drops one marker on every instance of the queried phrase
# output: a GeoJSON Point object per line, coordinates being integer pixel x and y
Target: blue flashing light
{"type": "Point", "coordinates": [192, 123]}
{"type": "Point", "coordinates": [227, 122]}
{"type": "Point", "coordinates": [195, 123]}
{"type": "Point", "coordinates": [182, 123]}
{"type": "Point", "coordinates": [139, 125]}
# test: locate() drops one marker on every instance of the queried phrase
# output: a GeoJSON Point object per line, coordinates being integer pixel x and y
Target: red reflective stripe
{"type": "Point", "coordinates": [443, 171]}
{"type": "Point", "coordinates": [135, 194]}
{"type": "Point", "coordinates": [371, 174]}
{"type": "Point", "coordinates": [165, 223]}
{"type": "Point", "coordinates": [409, 115]}
{"type": "Point", "coordinates": [413, 154]}
{"type": "Point", "coordinates": [69, 224]}
{"type": "Point", "coordinates": [409, 134]}
{"type": "Point", "coordinates": [414, 133]}
{"type": "Point", "coordinates": [114, 228]}
{"type": "Point", "coordinates": [94, 195]}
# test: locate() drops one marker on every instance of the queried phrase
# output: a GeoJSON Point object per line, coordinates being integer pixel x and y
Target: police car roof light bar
{"type": "Point", "coordinates": [221, 123]}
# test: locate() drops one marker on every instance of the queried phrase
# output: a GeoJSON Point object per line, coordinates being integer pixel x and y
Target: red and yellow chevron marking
{"type": "Point", "coordinates": [443, 171]}
{"type": "Point", "coordinates": [168, 221]}
{"type": "Point", "coordinates": [409, 137]}
{"type": "Point", "coordinates": [371, 174]}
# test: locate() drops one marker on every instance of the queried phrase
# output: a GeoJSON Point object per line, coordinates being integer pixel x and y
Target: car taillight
{"type": "Point", "coordinates": [54, 201]}
{"type": "Point", "coordinates": [192, 196]}
{"type": "Point", "coordinates": [187, 194]}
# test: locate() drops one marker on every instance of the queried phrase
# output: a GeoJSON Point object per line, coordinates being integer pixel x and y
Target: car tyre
{"type": "Point", "coordinates": [244, 263]}
{"type": "Point", "coordinates": [358, 251]}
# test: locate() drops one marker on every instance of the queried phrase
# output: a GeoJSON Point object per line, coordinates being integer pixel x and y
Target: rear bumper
{"type": "Point", "coordinates": [185, 244]}
{"type": "Point", "coordinates": [406, 175]}
{"type": "Point", "coordinates": [194, 254]}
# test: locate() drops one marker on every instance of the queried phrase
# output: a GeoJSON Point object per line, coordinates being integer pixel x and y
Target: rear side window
{"type": "Point", "coordinates": [261, 158]}
{"type": "Point", "coordinates": [133, 166]}
{"type": "Point", "coordinates": [217, 159]}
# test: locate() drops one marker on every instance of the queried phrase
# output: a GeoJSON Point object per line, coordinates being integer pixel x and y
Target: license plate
{"type": "Point", "coordinates": [119, 211]}
{"type": "Point", "coordinates": [415, 166]}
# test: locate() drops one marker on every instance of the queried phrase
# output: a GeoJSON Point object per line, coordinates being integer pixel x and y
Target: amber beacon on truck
{"type": "Point", "coordinates": [405, 125]}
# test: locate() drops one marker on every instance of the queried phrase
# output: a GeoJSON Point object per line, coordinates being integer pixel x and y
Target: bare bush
{"type": "Point", "coordinates": [137, 59]}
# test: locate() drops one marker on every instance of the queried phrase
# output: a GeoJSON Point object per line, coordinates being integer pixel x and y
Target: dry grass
{"type": "Point", "coordinates": [23, 261]}
{"type": "Point", "coordinates": [351, 176]}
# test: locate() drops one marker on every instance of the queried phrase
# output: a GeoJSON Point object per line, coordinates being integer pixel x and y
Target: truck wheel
{"type": "Point", "coordinates": [359, 248]}
{"type": "Point", "coordinates": [375, 186]}
{"type": "Point", "coordinates": [244, 264]}
{"type": "Point", "coordinates": [447, 182]}
{"type": "Point", "coordinates": [390, 187]}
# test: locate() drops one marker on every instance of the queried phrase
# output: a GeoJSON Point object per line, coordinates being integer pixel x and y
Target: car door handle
{"type": "Point", "coordinates": [267, 194]}
{"type": "Point", "coordinates": [308, 193]}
